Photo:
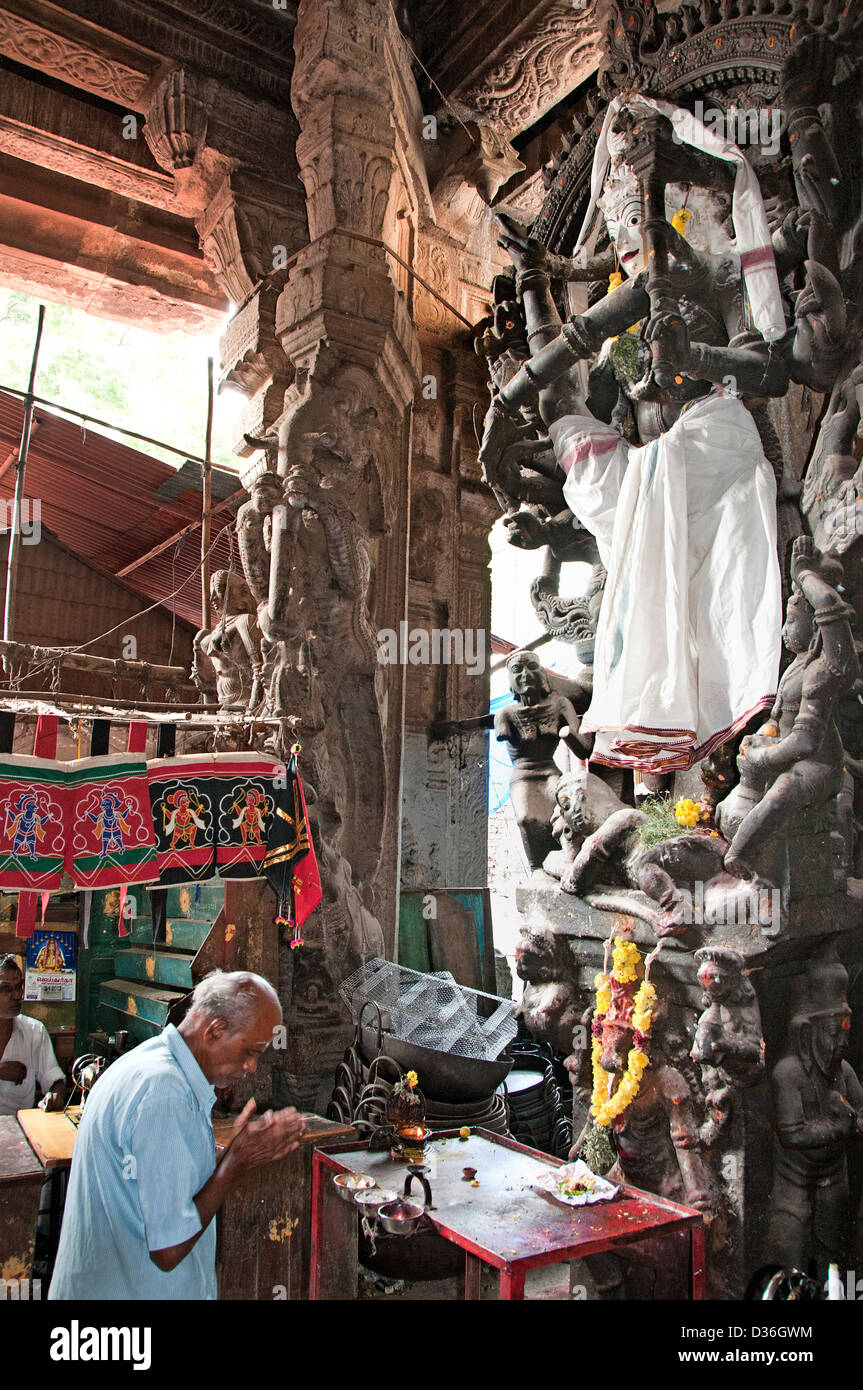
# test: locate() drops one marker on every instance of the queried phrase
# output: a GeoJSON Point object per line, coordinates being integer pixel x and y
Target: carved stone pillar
{"type": "Point", "coordinates": [293, 208]}
{"type": "Point", "coordinates": [233, 162]}
{"type": "Point", "coordinates": [445, 802]}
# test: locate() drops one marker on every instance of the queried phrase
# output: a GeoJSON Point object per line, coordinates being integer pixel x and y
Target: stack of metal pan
{"type": "Point", "coordinates": [536, 1114]}
{"type": "Point", "coordinates": [488, 1113]}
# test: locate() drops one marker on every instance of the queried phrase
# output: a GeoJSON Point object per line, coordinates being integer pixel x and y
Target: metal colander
{"type": "Point", "coordinates": [432, 1010]}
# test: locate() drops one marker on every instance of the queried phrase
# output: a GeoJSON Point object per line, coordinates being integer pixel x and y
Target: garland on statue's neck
{"type": "Point", "coordinates": [626, 969]}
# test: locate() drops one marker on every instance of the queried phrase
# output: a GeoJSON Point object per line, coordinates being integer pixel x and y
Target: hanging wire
{"type": "Point", "coordinates": [174, 560]}
{"type": "Point", "coordinates": [444, 98]}
{"type": "Point", "coordinates": [51, 664]}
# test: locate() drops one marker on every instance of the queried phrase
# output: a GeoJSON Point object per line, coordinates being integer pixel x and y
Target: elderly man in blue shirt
{"type": "Point", "coordinates": [145, 1184]}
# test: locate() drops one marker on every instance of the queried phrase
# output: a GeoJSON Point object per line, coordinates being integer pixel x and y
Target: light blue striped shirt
{"type": "Point", "coordinates": [144, 1148]}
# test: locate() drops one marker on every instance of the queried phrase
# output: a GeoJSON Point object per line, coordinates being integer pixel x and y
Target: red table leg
{"type": "Point", "coordinates": [697, 1256]}
{"type": "Point", "coordinates": [472, 1277]}
{"type": "Point", "coordinates": [511, 1285]}
{"type": "Point", "coordinates": [317, 1227]}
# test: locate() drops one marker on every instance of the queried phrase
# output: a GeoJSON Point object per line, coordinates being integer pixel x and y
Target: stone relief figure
{"type": "Point", "coordinates": [657, 1136]}
{"type": "Point", "coordinates": [615, 856]}
{"type": "Point", "coordinates": [550, 1005]}
{"type": "Point", "coordinates": [602, 848]}
{"type": "Point", "coordinates": [833, 490]}
{"type": "Point", "coordinates": [728, 1045]}
{"type": "Point", "coordinates": [818, 1111]}
{"type": "Point", "coordinates": [583, 803]}
{"type": "Point", "coordinates": [532, 728]}
{"type": "Point", "coordinates": [227, 659]}
{"type": "Point", "coordinates": [315, 510]}
{"type": "Point", "coordinates": [535, 512]}
{"type": "Point", "coordinates": [796, 760]}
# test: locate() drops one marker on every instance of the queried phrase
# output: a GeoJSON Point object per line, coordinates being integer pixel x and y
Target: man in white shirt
{"type": "Point", "coordinates": [26, 1054]}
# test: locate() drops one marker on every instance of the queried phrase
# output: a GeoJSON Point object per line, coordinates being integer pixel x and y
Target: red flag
{"type": "Point", "coordinates": [306, 875]}
{"type": "Point", "coordinates": [290, 863]}
{"type": "Point", "coordinates": [45, 738]}
{"type": "Point", "coordinates": [136, 741]}
{"type": "Point", "coordinates": [25, 919]}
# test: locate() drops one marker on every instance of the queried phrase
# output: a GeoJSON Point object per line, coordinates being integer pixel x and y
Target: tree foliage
{"type": "Point", "coordinates": [155, 383]}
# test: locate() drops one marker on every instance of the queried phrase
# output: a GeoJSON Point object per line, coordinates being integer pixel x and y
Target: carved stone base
{"type": "Point", "coordinates": [561, 950]}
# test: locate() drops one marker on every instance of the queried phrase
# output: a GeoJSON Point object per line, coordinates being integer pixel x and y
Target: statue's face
{"type": "Point", "coordinates": [713, 980]}
{"type": "Point", "coordinates": [830, 1039]}
{"type": "Point", "coordinates": [797, 631]}
{"type": "Point", "coordinates": [616, 1044]}
{"type": "Point", "coordinates": [526, 675]}
{"type": "Point", "coordinates": [572, 801]}
{"type": "Point", "coordinates": [625, 228]}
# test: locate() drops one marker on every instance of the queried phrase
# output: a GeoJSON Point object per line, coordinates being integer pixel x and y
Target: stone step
{"type": "Point", "coordinates": [131, 999]}
{"type": "Point", "coordinates": [186, 933]}
{"type": "Point", "coordinates": [157, 967]}
{"type": "Point", "coordinates": [197, 899]}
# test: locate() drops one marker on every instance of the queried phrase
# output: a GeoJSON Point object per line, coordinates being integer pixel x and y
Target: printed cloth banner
{"type": "Point", "coordinates": [248, 784]}
{"type": "Point", "coordinates": [88, 819]}
{"type": "Point", "coordinates": [184, 805]}
{"type": "Point", "coordinates": [114, 821]}
{"type": "Point", "coordinates": [111, 826]}
{"type": "Point", "coordinates": [212, 813]}
{"type": "Point", "coordinates": [33, 827]}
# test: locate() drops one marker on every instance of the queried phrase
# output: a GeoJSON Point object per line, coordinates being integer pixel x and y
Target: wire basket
{"type": "Point", "coordinates": [433, 1010]}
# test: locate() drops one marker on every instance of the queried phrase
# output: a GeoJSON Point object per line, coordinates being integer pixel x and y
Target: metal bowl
{"type": "Point", "coordinates": [370, 1200]}
{"type": "Point", "coordinates": [442, 1075]}
{"type": "Point", "coordinates": [400, 1218]}
{"type": "Point", "coordinates": [348, 1185]}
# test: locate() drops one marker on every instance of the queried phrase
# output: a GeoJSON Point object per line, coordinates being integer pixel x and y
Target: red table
{"type": "Point", "coordinates": [503, 1222]}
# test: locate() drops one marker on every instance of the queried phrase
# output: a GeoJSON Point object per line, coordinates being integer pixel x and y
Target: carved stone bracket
{"type": "Point", "coordinates": [550, 56]}
{"type": "Point", "coordinates": [176, 122]}
{"type": "Point", "coordinates": [470, 165]}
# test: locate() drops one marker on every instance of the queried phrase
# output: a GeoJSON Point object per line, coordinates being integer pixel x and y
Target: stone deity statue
{"type": "Point", "coordinates": [227, 658]}
{"type": "Point", "coordinates": [532, 728]}
{"type": "Point", "coordinates": [689, 338]}
{"type": "Point", "coordinates": [796, 759]}
{"type": "Point", "coordinates": [656, 1137]}
{"type": "Point", "coordinates": [728, 1045]}
{"type": "Point", "coordinates": [818, 1111]}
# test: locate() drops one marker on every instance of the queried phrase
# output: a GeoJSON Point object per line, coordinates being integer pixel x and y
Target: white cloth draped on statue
{"type": "Point", "coordinates": [689, 635]}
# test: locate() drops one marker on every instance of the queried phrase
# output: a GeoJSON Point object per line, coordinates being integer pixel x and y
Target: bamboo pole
{"type": "Point", "coordinates": [20, 477]}
{"type": "Point", "coordinates": [14, 698]}
{"type": "Point", "coordinates": [19, 653]}
{"type": "Point", "coordinates": [16, 452]}
{"type": "Point", "coordinates": [206, 503]}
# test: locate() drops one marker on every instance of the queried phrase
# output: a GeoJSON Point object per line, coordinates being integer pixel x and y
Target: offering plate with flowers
{"type": "Point", "coordinates": [575, 1185]}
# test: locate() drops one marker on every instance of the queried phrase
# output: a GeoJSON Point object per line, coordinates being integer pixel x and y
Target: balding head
{"type": "Point", "coordinates": [235, 996]}
{"type": "Point", "coordinates": [230, 1023]}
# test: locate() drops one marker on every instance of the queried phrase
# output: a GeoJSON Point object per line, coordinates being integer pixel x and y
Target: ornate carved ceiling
{"type": "Point", "coordinates": [508, 65]}
{"type": "Point", "coordinates": [87, 215]}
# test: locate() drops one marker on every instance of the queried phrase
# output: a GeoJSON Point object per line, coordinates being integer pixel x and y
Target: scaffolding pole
{"type": "Point", "coordinates": [206, 503]}
{"type": "Point", "coordinates": [20, 477]}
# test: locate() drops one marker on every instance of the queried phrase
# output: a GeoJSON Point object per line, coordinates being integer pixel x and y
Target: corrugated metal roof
{"type": "Point", "coordinates": [98, 497]}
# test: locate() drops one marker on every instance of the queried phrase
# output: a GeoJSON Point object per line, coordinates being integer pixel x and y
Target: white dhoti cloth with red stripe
{"type": "Point", "coordinates": [689, 635]}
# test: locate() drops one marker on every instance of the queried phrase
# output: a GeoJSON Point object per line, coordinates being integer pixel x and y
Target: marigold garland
{"type": "Point", "coordinates": [602, 985]}
{"type": "Point", "coordinates": [627, 968]}
{"type": "Point", "coordinates": [627, 961]}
